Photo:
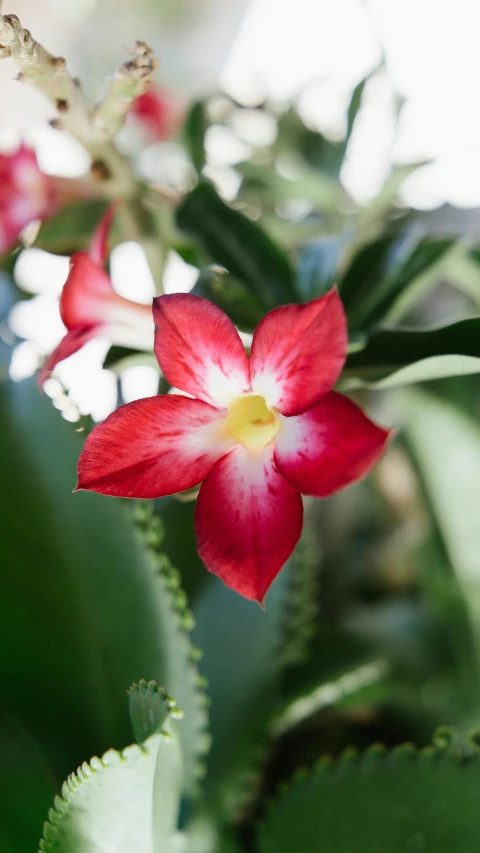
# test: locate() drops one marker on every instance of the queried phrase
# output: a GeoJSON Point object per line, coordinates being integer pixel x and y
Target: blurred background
{"type": "Point", "coordinates": [340, 141]}
{"type": "Point", "coordinates": [417, 109]}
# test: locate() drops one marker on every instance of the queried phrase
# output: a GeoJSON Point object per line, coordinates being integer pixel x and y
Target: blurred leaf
{"type": "Point", "coordinates": [318, 265]}
{"type": "Point", "coordinates": [87, 607]}
{"type": "Point", "coordinates": [195, 128]}
{"type": "Point", "coordinates": [366, 269]}
{"type": "Point", "coordinates": [123, 801]}
{"type": "Point", "coordinates": [354, 107]}
{"type": "Point", "coordinates": [71, 229]}
{"type": "Point", "coordinates": [446, 446]}
{"type": "Point", "coordinates": [372, 284]}
{"type": "Point", "coordinates": [27, 788]}
{"type": "Point", "coordinates": [232, 296]}
{"type": "Point", "coordinates": [241, 661]}
{"type": "Point", "coordinates": [238, 244]}
{"type": "Point", "coordinates": [437, 367]}
{"type": "Point", "coordinates": [387, 349]}
{"type": "Point", "coordinates": [402, 801]}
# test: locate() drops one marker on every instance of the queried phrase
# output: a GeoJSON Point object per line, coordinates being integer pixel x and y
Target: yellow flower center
{"type": "Point", "coordinates": [251, 422]}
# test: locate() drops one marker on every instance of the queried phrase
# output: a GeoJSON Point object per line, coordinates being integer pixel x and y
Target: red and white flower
{"type": "Point", "coordinates": [159, 113]}
{"type": "Point", "coordinates": [258, 433]}
{"type": "Point", "coordinates": [90, 307]}
{"type": "Point", "coordinates": [26, 194]}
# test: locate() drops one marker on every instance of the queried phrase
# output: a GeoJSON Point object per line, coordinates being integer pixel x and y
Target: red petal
{"type": "Point", "coordinates": [99, 245]}
{"type": "Point", "coordinates": [298, 352]}
{"type": "Point", "coordinates": [151, 448]}
{"type": "Point", "coordinates": [247, 521]}
{"type": "Point", "coordinates": [72, 342]}
{"type": "Point", "coordinates": [85, 293]}
{"type": "Point", "coordinates": [328, 447]}
{"type": "Point", "coordinates": [198, 348]}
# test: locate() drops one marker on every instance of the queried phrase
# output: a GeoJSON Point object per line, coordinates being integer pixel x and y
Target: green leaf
{"type": "Point", "coordinates": [71, 228]}
{"type": "Point", "coordinates": [354, 106]}
{"type": "Point", "coordinates": [318, 266]}
{"type": "Point", "coordinates": [366, 268]}
{"type": "Point", "coordinates": [403, 801]}
{"type": "Point", "coordinates": [387, 349]}
{"type": "Point", "coordinates": [238, 244]}
{"type": "Point", "coordinates": [27, 787]}
{"type": "Point", "coordinates": [371, 286]}
{"type": "Point", "coordinates": [446, 446]}
{"type": "Point", "coordinates": [436, 367]}
{"type": "Point", "coordinates": [243, 678]}
{"type": "Point", "coordinates": [88, 604]}
{"type": "Point", "coordinates": [125, 800]}
{"type": "Point", "coordinates": [150, 708]}
{"type": "Point", "coordinates": [195, 128]}
{"type": "Point", "coordinates": [232, 296]}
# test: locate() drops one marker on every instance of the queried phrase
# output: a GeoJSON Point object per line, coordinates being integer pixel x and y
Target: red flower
{"type": "Point", "coordinates": [90, 308]}
{"type": "Point", "coordinates": [25, 194]}
{"type": "Point", "coordinates": [159, 113]}
{"type": "Point", "coordinates": [257, 434]}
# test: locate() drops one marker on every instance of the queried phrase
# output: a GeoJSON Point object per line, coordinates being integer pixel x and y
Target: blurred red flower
{"type": "Point", "coordinates": [90, 308]}
{"type": "Point", "coordinates": [26, 194]}
{"type": "Point", "coordinates": [159, 113]}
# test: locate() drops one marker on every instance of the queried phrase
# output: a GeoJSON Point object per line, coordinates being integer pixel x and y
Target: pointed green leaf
{"type": "Point", "coordinates": [403, 801]}
{"type": "Point", "coordinates": [238, 244]}
{"type": "Point", "coordinates": [437, 367]}
{"type": "Point", "coordinates": [371, 285]}
{"type": "Point", "coordinates": [196, 125]}
{"type": "Point", "coordinates": [88, 605]}
{"type": "Point", "coordinates": [387, 349]}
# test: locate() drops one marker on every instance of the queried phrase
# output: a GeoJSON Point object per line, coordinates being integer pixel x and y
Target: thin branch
{"type": "Point", "coordinates": [128, 83]}
{"type": "Point", "coordinates": [49, 74]}
{"type": "Point", "coordinates": [94, 130]}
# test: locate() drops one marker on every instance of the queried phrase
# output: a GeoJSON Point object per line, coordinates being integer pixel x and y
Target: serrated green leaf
{"type": "Point", "coordinates": [402, 801]}
{"type": "Point", "coordinates": [88, 604]}
{"type": "Point", "coordinates": [238, 244]}
{"type": "Point", "coordinates": [123, 801]}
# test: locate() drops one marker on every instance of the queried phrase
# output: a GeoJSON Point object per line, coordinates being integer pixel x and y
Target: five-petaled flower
{"type": "Point", "coordinates": [26, 194]}
{"type": "Point", "coordinates": [159, 113]}
{"type": "Point", "coordinates": [90, 308]}
{"type": "Point", "coordinates": [258, 433]}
